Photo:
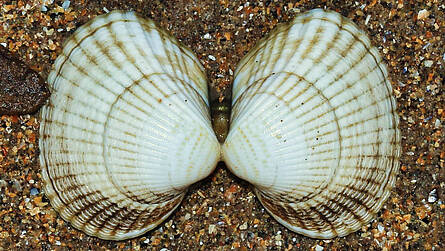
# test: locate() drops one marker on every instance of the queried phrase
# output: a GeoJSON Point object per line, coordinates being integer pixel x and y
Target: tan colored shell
{"type": "Point", "coordinates": [314, 125]}
{"type": "Point", "coordinates": [127, 128]}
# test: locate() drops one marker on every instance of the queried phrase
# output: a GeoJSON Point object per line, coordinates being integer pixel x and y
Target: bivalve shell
{"type": "Point", "coordinates": [314, 125]}
{"type": "Point", "coordinates": [127, 128]}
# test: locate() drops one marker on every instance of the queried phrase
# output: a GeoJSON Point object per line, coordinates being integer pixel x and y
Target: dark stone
{"type": "Point", "coordinates": [22, 90]}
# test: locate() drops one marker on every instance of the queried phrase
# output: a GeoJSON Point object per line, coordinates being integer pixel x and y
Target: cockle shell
{"type": "Point", "coordinates": [127, 128]}
{"type": "Point", "coordinates": [314, 125]}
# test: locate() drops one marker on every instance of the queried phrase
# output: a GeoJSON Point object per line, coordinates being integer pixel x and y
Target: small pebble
{"type": "Point", "coordinates": [428, 63]}
{"type": "Point", "coordinates": [207, 36]}
{"type": "Point", "coordinates": [66, 4]}
{"type": "Point", "coordinates": [34, 191]}
{"type": "Point", "coordinates": [432, 197]}
{"type": "Point", "coordinates": [16, 185]}
{"type": "Point", "coordinates": [3, 184]}
{"type": "Point", "coordinates": [212, 228]}
{"type": "Point", "coordinates": [211, 57]}
{"type": "Point", "coordinates": [319, 248]}
{"type": "Point", "coordinates": [380, 228]}
{"type": "Point", "coordinates": [367, 19]}
{"type": "Point", "coordinates": [423, 14]}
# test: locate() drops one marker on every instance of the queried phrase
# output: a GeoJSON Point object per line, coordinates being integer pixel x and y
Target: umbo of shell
{"type": "Point", "coordinates": [313, 126]}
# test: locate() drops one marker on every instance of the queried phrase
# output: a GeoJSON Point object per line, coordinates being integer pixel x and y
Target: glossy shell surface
{"type": "Point", "coordinates": [314, 125]}
{"type": "Point", "coordinates": [127, 128]}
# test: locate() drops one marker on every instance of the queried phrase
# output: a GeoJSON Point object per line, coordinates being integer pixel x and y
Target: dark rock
{"type": "Point", "coordinates": [22, 90]}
